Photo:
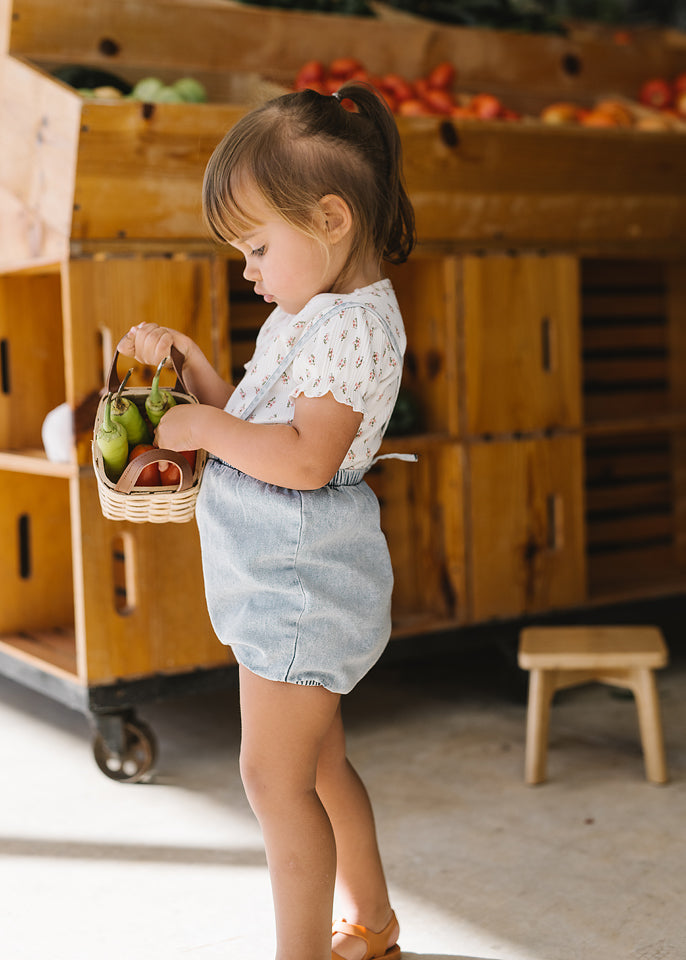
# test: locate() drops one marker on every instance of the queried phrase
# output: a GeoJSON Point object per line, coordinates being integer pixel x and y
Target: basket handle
{"type": "Point", "coordinates": [113, 381]}
{"type": "Point", "coordinates": [132, 471]}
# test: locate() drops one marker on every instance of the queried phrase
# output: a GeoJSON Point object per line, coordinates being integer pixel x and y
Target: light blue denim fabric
{"type": "Point", "coordinates": [298, 582]}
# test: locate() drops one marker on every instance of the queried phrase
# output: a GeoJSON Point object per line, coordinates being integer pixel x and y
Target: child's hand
{"type": "Point", "coordinates": [149, 343]}
{"type": "Point", "coordinates": [175, 430]}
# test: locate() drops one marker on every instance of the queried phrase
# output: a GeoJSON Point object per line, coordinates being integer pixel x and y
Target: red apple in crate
{"type": "Point", "coordinates": [656, 93]}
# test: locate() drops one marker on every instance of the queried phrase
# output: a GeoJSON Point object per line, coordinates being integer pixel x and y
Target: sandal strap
{"type": "Point", "coordinates": [376, 942]}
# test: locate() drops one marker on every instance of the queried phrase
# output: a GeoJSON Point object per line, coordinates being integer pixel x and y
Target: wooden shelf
{"type": "Point", "coordinates": [51, 651]}
{"type": "Point", "coordinates": [36, 462]}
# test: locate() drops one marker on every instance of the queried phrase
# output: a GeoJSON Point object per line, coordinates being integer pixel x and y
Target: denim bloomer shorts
{"type": "Point", "coordinates": [298, 582]}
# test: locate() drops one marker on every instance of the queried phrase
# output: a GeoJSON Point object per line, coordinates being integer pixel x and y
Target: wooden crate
{"type": "Point", "coordinates": [93, 172]}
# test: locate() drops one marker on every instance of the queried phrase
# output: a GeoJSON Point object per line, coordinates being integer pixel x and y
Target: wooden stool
{"type": "Point", "coordinates": [559, 657]}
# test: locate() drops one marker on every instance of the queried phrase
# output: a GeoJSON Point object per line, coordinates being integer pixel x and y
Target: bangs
{"type": "Point", "coordinates": [224, 215]}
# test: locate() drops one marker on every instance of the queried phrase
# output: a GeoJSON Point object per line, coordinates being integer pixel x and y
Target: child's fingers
{"type": "Point", "coordinates": [147, 342]}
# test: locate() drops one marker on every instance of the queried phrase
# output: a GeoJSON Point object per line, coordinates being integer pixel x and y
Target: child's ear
{"type": "Point", "coordinates": [336, 217]}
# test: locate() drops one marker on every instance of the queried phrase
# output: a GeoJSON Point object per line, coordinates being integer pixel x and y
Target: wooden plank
{"type": "Point", "coordinates": [31, 351]}
{"type": "Point", "coordinates": [622, 303]}
{"type": "Point", "coordinates": [632, 371]}
{"type": "Point", "coordinates": [624, 497]}
{"type": "Point", "coordinates": [421, 515]}
{"type": "Point", "coordinates": [140, 169]}
{"type": "Point", "coordinates": [625, 274]}
{"type": "Point", "coordinates": [624, 405]}
{"type": "Point", "coordinates": [51, 652]}
{"type": "Point", "coordinates": [521, 349]}
{"type": "Point", "coordinates": [426, 290]}
{"type": "Point", "coordinates": [616, 336]}
{"type": "Point", "coordinates": [526, 546]}
{"type": "Point", "coordinates": [630, 527]}
{"type": "Point", "coordinates": [40, 123]}
{"type": "Point", "coordinates": [35, 555]}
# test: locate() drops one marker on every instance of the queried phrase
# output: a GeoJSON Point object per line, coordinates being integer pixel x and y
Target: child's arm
{"type": "Point", "coordinates": [149, 344]}
{"type": "Point", "coordinates": [302, 455]}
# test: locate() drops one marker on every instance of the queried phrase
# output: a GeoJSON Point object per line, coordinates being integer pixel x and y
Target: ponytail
{"type": "Point", "coordinates": [396, 226]}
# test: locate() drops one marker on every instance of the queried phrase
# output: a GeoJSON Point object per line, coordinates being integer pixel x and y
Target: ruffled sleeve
{"type": "Point", "coordinates": [349, 357]}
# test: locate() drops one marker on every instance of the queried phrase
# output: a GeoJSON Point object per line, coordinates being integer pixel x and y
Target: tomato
{"type": "Point", "coordinates": [310, 73]}
{"type": "Point", "coordinates": [414, 108]}
{"type": "Point", "coordinates": [170, 475]}
{"type": "Point", "coordinates": [391, 102]}
{"type": "Point", "coordinates": [420, 86]}
{"type": "Point", "coordinates": [150, 475]}
{"type": "Point", "coordinates": [656, 93]}
{"type": "Point", "coordinates": [440, 101]}
{"type": "Point", "coordinates": [485, 106]}
{"type": "Point", "coordinates": [344, 67]}
{"type": "Point", "coordinates": [397, 86]}
{"type": "Point", "coordinates": [442, 76]}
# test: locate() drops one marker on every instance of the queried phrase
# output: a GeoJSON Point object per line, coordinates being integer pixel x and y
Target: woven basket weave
{"type": "Point", "coordinates": [124, 501]}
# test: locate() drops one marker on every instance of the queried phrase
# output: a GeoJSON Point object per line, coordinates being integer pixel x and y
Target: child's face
{"type": "Point", "coordinates": [287, 267]}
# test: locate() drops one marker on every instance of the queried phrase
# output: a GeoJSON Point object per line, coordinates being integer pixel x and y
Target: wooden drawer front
{"type": "Point", "coordinates": [526, 541]}
{"type": "Point", "coordinates": [521, 343]}
{"type": "Point", "coordinates": [421, 515]}
{"type": "Point", "coordinates": [35, 554]}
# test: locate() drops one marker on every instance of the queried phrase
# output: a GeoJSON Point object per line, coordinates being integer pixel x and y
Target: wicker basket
{"type": "Point", "coordinates": [125, 501]}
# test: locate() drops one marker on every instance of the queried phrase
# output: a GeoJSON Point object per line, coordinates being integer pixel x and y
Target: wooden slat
{"type": "Point", "coordinates": [625, 274]}
{"type": "Point", "coordinates": [620, 336]}
{"type": "Point", "coordinates": [421, 515]}
{"type": "Point", "coordinates": [618, 370]}
{"type": "Point", "coordinates": [427, 291]}
{"type": "Point", "coordinates": [630, 527]}
{"type": "Point", "coordinates": [618, 303]}
{"type": "Point", "coordinates": [615, 496]}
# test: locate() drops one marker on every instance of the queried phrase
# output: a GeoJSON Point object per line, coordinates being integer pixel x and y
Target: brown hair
{"type": "Point", "coordinates": [302, 146]}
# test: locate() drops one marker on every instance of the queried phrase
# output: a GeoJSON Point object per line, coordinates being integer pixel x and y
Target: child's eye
{"type": "Point", "coordinates": [257, 253]}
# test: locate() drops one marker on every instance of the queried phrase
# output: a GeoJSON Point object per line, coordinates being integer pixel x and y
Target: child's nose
{"type": "Point", "coordinates": [251, 273]}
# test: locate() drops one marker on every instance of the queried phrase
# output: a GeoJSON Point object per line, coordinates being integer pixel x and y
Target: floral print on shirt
{"type": "Point", "coordinates": [349, 356]}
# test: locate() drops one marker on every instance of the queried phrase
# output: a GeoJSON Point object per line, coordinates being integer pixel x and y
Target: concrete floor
{"type": "Point", "coordinates": [590, 866]}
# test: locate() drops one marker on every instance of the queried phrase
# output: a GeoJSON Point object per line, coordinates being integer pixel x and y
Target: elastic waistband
{"type": "Point", "coordinates": [346, 478]}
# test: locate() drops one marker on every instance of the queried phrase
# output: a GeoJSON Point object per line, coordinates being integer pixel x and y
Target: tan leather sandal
{"type": "Point", "coordinates": [376, 942]}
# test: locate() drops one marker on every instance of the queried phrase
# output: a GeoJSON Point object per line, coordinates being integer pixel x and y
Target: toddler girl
{"type": "Point", "coordinates": [297, 573]}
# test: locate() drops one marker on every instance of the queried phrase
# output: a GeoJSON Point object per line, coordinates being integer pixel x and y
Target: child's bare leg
{"type": "Point", "coordinates": [284, 726]}
{"type": "Point", "coordinates": [361, 885]}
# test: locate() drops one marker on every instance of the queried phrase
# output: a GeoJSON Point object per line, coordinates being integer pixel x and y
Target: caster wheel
{"type": "Point", "coordinates": [135, 763]}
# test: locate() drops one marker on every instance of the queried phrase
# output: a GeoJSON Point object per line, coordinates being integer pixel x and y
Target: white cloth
{"type": "Point", "coordinates": [349, 356]}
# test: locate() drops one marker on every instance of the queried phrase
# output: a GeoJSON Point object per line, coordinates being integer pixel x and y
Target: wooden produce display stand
{"type": "Point", "coordinates": [545, 310]}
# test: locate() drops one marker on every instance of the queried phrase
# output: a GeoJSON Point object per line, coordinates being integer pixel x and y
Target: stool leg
{"type": "Point", "coordinates": [650, 725]}
{"type": "Point", "coordinates": [541, 689]}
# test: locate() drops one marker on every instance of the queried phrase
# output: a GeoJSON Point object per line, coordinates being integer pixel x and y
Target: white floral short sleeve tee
{"type": "Point", "coordinates": [350, 356]}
